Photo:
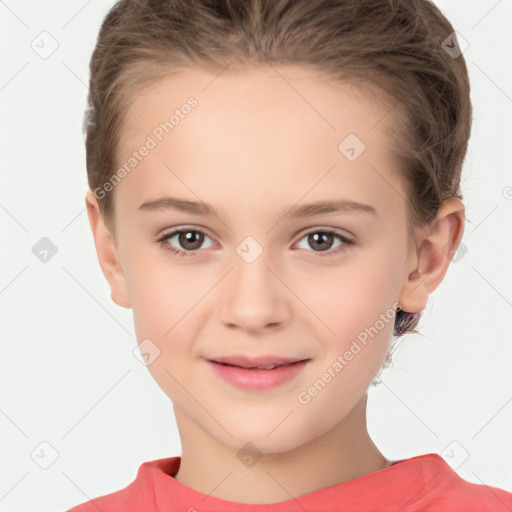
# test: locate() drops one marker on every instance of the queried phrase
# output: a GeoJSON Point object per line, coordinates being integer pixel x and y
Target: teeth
{"type": "Point", "coordinates": [267, 367]}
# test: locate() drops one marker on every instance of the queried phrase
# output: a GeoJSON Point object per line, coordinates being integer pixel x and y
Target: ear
{"type": "Point", "coordinates": [107, 253]}
{"type": "Point", "coordinates": [431, 254]}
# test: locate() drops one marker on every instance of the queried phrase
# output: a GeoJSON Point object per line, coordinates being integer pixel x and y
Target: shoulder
{"type": "Point", "coordinates": [473, 496]}
{"type": "Point", "coordinates": [445, 490]}
{"type": "Point", "coordinates": [120, 501]}
{"type": "Point", "coordinates": [138, 495]}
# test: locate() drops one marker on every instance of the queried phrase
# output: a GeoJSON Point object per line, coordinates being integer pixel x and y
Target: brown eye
{"type": "Point", "coordinates": [320, 240]}
{"type": "Point", "coordinates": [190, 240]}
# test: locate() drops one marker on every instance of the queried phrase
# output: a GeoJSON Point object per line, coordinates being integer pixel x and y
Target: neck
{"type": "Point", "coordinates": [341, 454]}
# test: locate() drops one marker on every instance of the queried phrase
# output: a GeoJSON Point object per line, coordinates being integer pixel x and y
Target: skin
{"type": "Point", "coordinates": [251, 147]}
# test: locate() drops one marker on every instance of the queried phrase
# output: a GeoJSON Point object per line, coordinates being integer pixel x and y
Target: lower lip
{"type": "Point", "coordinates": [248, 378]}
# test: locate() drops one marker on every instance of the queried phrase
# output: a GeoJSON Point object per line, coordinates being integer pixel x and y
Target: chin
{"type": "Point", "coordinates": [262, 445]}
{"type": "Point", "coordinates": [269, 437]}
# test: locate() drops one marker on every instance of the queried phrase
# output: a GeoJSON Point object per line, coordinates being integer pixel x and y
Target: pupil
{"type": "Point", "coordinates": [324, 237]}
{"type": "Point", "coordinates": [188, 238]}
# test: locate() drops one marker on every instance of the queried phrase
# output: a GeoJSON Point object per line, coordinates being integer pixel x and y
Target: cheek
{"type": "Point", "coordinates": [163, 298]}
{"type": "Point", "coordinates": [345, 300]}
{"type": "Point", "coordinates": [162, 292]}
{"type": "Point", "coordinates": [358, 307]}
{"type": "Point", "coordinates": [153, 300]}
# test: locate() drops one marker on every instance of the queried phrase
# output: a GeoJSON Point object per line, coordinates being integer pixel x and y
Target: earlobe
{"type": "Point", "coordinates": [431, 255]}
{"type": "Point", "coordinates": [107, 253]}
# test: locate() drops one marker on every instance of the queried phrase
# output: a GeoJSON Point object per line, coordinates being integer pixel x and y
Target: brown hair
{"type": "Point", "coordinates": [397, 46]}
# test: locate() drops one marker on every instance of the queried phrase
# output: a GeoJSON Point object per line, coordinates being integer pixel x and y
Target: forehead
{"type": "Point", "coordinates": [256, 96]}
{"type": "Point", "coordinates": [268, 129]}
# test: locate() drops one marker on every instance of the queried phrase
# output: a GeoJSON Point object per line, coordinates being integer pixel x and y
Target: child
{"type": "Point", "coordinates": [265, 129]}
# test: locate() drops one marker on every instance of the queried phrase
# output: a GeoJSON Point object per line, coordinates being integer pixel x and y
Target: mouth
{"type": "Point", "coordinates": [260, 367]}
{"type": "Point", "coordinates": [257, 374]}
{"type": "Point", "coordinates": [264, 362]}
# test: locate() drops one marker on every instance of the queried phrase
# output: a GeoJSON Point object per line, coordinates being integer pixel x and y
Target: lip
{"type": "Point", "coordinates": [242, 371]}
{"type": "Point", "coordinates": [246, 361]}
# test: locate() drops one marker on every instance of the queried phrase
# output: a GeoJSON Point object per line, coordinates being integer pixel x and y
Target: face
{"type": "Point", "coordinates": [255, 278]}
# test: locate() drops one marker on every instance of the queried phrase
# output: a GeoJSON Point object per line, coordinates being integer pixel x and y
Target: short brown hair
{"type": "Point", "coordinates": [393, 45]}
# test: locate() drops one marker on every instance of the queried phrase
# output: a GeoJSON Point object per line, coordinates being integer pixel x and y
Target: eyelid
{"type": "Point", "coordinates": [347, 241]}
{"type": "Point", "coordinates": [329, 229]}
{"type": "Point", "coordinates": [302, 233]}
{"type": "Point", "coordinates": [177, 229]}
{"type": "Point", "coordinates": [180, 229]}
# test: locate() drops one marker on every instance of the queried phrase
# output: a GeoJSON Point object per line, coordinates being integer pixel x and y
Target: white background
{"type": "Point", "coordinates": [68, 374]}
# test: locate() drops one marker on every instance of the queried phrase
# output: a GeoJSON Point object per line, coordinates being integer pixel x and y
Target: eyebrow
{"type": "Point", "coordinates": [305, 210]}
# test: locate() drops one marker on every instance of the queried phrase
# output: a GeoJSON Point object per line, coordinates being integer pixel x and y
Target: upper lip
{"type": "Point", "coordinates": [255, 361]}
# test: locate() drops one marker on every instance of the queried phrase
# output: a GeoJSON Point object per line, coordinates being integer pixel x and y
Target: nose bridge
{"type": "Point", "coordinates": [251, 270]}
{"type": "Point", "coordinates": [251, 276]}
{"type": "Point", "coordinates": [253, 296]}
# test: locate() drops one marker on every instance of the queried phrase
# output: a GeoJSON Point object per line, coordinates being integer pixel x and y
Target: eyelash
{"type": "Point", "coordinates": [178, 252]}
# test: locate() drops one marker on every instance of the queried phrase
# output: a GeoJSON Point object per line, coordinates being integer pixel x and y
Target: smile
{"type": "Point", "coordinates": [257, 377]}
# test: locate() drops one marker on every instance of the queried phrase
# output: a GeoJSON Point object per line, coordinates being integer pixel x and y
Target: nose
{"type": "Point", "coordinates": [253, 298]}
